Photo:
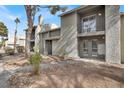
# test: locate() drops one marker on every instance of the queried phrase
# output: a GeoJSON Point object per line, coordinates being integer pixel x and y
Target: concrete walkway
{"type": "Point", "coordinates": [4, 74]}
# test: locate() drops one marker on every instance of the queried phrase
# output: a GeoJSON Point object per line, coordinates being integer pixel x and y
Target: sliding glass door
{"type": "Point", "coordinates": [90, 48]}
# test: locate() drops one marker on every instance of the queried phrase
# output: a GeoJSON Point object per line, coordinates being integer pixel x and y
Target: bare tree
{"type": "Point", "coordinates": [31, 11]}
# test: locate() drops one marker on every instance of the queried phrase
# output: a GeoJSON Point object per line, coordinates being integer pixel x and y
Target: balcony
{"type": "Point", "coordinates": [91, 22]}
{"type": "Point", "coordinates": [94, 33]}
{"type": "Point", "coordinates": [51, 34]}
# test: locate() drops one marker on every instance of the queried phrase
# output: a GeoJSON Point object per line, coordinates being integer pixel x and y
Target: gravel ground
{"type": "Point", "coordinates": [79, 73]}
{"type": "Point", "coordinates": [16, 72]}
{"type": "Point", "coordinates": [6, 72]}
{"type": "Point", "coordinates": [76, 74]}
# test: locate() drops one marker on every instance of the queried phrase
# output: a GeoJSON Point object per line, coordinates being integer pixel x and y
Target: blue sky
{"type": "Point", "coordinates": [8, 14]}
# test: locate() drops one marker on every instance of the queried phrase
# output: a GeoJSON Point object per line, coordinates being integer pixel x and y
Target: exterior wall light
{"type": "Point", "coordinates": [99, 14]}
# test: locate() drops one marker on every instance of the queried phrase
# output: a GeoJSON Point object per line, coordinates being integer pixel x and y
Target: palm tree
{"type": "Point", "coordinates": [17, 21]}
{"type": "Point", "coordinates": [31, 11]}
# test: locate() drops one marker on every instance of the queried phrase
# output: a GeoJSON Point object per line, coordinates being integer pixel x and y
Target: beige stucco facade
{"type": "Point", "coordinates": [68, 41]}
{"type": "Point", "coordinates": [105, 42]}
{"type": "Point", "coordinates": [113, 34]}
{"type": "Point", "coordinates": [122, 38]}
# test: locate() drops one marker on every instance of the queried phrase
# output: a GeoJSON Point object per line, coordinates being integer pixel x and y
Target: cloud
{"type": "Point", "coordinates": [5, 13]}
{"type": "Point", "coordinates": [2, 7]}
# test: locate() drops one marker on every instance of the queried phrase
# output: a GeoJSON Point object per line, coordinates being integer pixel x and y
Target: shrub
{"type": "Point", "coordinates": [35, 60]}
{"type": "Point", "coordinates": [63, 53]}
{"type": "Point", "coordinates": [9, 51]}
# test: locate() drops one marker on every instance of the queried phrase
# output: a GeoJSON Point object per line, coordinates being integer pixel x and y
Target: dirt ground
{"type": "Point", "coordinates": [68, 73]}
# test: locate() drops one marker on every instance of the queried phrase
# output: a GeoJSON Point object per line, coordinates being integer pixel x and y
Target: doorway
{"type": "Point", "coordinates": [88, 48]}
{"type": "Point", "coordinates": [49, 47]}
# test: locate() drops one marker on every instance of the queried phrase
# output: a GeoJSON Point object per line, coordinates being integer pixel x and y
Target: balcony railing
{"type": "Point", "coordinates": [90, 30]}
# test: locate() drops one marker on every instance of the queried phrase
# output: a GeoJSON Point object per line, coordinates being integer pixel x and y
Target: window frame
{"type": "Point", "coordinates": [82, 23]}
{"type": "Point", "coordinates": [85, 49]}
{"type": "Point", "coordinates": [96, 49]}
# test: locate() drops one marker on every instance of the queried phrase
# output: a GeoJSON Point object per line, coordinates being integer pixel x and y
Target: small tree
{"type": "Point", "coordinates": [17, 21]}
{"type": "Point", "coordinates": [3, 32]}
{"type": "Point", "coordinates": [35, 60]}
{"type": "Point", "coordinates": [3, 29]}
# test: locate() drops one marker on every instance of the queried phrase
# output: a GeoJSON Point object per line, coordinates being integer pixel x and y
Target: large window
{"type": "Point", "coordinates": [85, 46]}
{"type": "Point", "coordinates": [89, 24]}
{"type": "Point", "coordinates": [94, 48]}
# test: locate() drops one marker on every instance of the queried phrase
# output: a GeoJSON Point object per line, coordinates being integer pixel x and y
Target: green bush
{"type": "Point", "coordinates": [63, 52]}
{"type": "Point", "coordinates": [9, 51]}
{"type": "Point", "coordinates": [35, 60]}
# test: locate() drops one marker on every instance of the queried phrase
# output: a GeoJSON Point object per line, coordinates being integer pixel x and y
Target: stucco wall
{"type": "Point", "coordinates": [48, 35]}
{"type": "Point", "coordinates": [54, 44]}
{"type": "Point", "coordinates": [112, 15]}
{"type": "Point", "coordinates": [122, 38]}
{"type": "Point", "coordinates": [68, 41]}
{"type": "Point", "coordinates": [42, 42]}
{"type": "Point", "coordinates": [54, 33]}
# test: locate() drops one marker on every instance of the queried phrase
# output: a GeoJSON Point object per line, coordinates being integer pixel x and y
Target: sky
{"type": "Point", "coordinates": [9, 13]}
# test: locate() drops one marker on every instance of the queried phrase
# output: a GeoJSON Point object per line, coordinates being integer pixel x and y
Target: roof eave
{"type": "Point", "coordinates": [50, 30]}
{"type": "Point", "coordinates": [122, 13]}
{"type": "Point", "coordinates": [73, 10]}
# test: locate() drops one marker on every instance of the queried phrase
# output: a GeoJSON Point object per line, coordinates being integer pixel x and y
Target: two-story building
{"type": "Point", "coordinates": [90, 31]}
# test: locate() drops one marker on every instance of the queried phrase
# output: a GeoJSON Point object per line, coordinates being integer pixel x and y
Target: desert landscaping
{"type": "Point", "coordinates": [56, 72]}
{"type": "Point", "coordinates": [56, 46]}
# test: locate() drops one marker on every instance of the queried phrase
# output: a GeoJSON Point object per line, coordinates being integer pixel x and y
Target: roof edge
{"type": "Point", "coordinates": [122, 13]}
{"type": "Point", "coordinates": [51, 30]}
{"type": "Point", "coordinates": [73, 10]}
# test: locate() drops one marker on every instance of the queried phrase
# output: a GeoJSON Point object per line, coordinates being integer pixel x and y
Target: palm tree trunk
{"type": "Point", "coordinates": [15, 37]}
{"type": "Point", "coordinates": [15, 40]}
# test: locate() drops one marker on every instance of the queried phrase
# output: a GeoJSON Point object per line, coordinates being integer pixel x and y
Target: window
{"type": "Point", "coordinates": [89, 24]}
{"type": "Point", "coordinates": [85, 25]}
{"type": "Point", "coordinates": [92, 23]}
{"type": "Point", "coordinates": [94, 47]}
{"type": "Point", "coordinates": [85, 47]}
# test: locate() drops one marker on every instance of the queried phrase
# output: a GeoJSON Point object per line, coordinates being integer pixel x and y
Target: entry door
{"type": "Point", "coordinates": [90, 48]}
{"type": "Point", "coordinates": [49, 47]}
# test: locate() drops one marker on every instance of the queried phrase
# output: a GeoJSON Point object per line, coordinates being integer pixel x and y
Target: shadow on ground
{"type": "Point", "coordinates": [72, 74]}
